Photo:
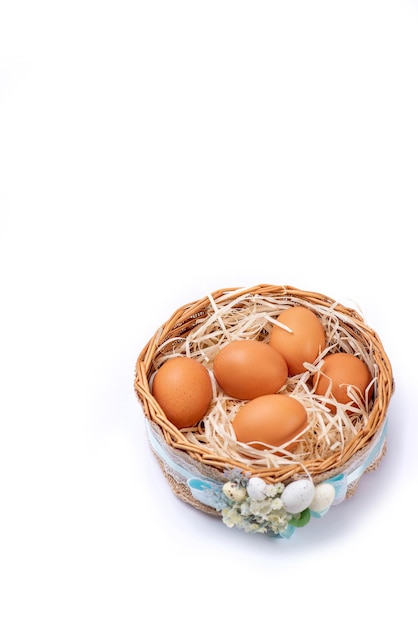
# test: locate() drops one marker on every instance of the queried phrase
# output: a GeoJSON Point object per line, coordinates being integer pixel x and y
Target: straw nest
{"type": "Point", "coordinates": [332, 438]}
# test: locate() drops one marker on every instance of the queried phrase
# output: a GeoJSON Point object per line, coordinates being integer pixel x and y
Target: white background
{"type": "Point", "coordinates": [150, 153]}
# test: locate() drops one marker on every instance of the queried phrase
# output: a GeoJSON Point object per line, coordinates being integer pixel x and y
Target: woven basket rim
{"type": "Point", "coordinates": [184, 317]}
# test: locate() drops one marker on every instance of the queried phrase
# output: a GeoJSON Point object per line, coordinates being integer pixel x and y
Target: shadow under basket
{"type": "Point", "coordinates": [265, 491]}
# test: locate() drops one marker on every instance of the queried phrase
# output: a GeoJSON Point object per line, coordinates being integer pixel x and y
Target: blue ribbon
{"type": "Point", "coordinates": [201, 488]}
{"type": "Point", "coordinates": [208, 491]}
{"type": "Point", "coordinates": [342, 481]}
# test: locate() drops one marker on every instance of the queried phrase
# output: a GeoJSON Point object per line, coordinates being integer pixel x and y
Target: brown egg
{"type": "Point", "coordinates": [183, 389]}
{"type": "Point", "coordinates": [305, 341]}
{"type": "Point", "coordinates": [337, 372]}
{"type": "Point", "coordinates": [270, 420]}
{"type": "Point", "coordinates": [245, 369]}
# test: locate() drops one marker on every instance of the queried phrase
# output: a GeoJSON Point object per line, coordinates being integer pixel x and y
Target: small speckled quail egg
{"type": "Point", "coordinates": [234, 492]}
{"type": "Point", "coordinates": [323, 497]}
{"type": "Point", "coordinates": [297, 496]}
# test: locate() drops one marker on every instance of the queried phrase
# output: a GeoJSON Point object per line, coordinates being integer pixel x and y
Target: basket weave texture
{"type": "Point", "coordinates": [177, 451]}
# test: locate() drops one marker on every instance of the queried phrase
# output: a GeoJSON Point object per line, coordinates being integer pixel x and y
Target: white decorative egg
{"type": "Point", "coordinates": [256, 488]}
{"type": "Point", "coordinates": [297, 496]}
{"type": "Point", "coordinates": [323, 497]}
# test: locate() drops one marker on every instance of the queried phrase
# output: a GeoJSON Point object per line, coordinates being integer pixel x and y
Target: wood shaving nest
{"type": "Point", "coordinates": [251, 316]}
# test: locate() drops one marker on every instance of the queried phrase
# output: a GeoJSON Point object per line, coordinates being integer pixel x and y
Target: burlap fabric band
{"type": "Point", "coordinates": [178, 467]}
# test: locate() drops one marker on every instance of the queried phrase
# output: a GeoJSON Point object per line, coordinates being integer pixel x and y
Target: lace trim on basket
{"type": "Point", "coordinates": [250, 503]}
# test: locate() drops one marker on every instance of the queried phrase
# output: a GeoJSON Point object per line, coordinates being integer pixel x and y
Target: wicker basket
{"type": "Point", "coordinates": [243, 493]}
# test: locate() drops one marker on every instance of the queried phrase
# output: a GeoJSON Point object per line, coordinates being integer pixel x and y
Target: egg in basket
{"type": "Point", "coordinates": [264, 406]}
